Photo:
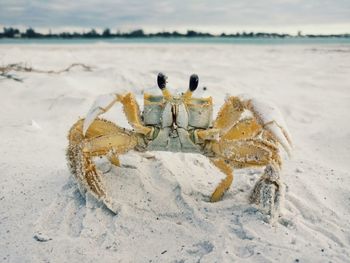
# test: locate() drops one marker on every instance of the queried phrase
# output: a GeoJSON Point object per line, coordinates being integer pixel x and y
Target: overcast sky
{"type": "Point", "coordinates": [310, 16]}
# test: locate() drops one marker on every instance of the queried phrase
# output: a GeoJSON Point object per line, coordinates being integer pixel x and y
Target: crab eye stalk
{"type": "Point", "coordinates": [161, 81]}
{"type": "Point", "coordinates": [192, 87]}
{"type": "Point", "coordinates": [193, 82]}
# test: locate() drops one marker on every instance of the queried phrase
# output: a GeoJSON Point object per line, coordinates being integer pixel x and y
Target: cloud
{"type": "Point", "coordinates": [174, 13]}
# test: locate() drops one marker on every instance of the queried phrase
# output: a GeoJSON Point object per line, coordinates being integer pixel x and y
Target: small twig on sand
{"type": "Point", "coordinates": [9, 76]}
{"type": "Point", "coordinates": [20, 67]}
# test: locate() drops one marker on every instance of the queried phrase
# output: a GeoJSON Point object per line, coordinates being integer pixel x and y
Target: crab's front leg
{"type": "Point", "coordinates": [104, 102]}
{"type": "Point", "coordinates": [102, 139]}
{"type": "Point", "coordinates": [119, 143]}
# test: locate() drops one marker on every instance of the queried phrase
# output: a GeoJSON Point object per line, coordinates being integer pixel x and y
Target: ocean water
{"type": "Point", "coordinates": [195, 40]}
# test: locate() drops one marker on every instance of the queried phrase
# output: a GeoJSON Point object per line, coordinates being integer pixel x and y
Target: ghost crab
{"type": "Point", "coordinates": [246, 133]}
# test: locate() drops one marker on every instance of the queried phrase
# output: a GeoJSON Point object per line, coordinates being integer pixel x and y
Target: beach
{"type": "Point", "coordinates": [163, 216]}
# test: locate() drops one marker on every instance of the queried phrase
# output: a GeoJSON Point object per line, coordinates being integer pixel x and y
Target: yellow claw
{"type": "Point", "coordinates": [271, 119]}
{"type": "Point", "coordinates": [132, 112]}
{"type": "Point", "coordinates": [130, 106]}
{"type": "Point", "coordinates": [229, 114]}
{"type": "Point", "coordinates": [242, 130]}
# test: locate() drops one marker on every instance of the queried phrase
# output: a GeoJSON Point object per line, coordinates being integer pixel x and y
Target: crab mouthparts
{"type": "Point", "coordinates": [174, 115]}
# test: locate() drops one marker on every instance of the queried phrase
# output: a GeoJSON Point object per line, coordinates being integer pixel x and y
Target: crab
{"type": "Point", "coordinates": [245, 133]}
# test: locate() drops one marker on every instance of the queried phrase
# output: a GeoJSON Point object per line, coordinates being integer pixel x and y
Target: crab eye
{"type": "Point", "coordinates": [193, 82]}
{"type": "Point", "coordinates": [161, 80]}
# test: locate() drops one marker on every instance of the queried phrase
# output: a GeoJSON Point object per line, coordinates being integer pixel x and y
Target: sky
{"type": "Point", "coordinates": [229, 16]}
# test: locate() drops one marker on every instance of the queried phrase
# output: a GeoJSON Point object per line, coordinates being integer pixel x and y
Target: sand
{"type": "Point", "coordinates": [163, 215]}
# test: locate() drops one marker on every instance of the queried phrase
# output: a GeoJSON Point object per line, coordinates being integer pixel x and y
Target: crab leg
{"type": "Point", "coordinates": [130, 106]}
{"type": "Point", "coordinates": [210, 134]}
{"type": "Point", "coordinates": [243, 129]}
{"type": "Point", "coordinates": [102, 138]}
{"type": "Point", "coordinates": [256, 152]}
{"type": "Point", "coordinates": [132, 112]}
{"type": "Point", "coordinates": [251, 152]}
{"type": "Point", "coordinates": [224, 184]}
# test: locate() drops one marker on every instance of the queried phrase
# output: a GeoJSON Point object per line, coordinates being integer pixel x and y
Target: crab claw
{"type": "Point", "coordinates": [270, 118]}
{"type": "Point", "coordinates": [101, 105]}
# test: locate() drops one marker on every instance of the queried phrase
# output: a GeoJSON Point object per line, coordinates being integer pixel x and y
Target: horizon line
{"type": "Point", "coordinates": [143, 33]}
{"type": "Point", "coordinates": [311, 29]}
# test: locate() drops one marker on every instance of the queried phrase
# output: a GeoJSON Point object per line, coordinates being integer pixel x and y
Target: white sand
{"type": "Point", "coordinates": [163, 217]}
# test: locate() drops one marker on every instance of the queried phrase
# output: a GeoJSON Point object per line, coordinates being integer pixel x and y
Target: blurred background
{"type": "Point", "coordinates": [176, 19]}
